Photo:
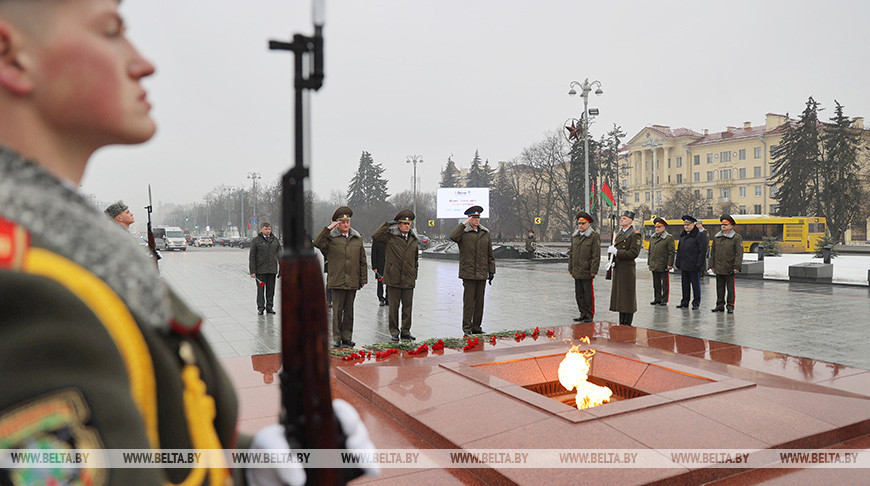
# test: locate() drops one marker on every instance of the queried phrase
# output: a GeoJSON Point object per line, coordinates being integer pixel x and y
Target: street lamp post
{"type": "Point", "coordinates": [585, 88]}
{"type": "Point", "coordinates": [254, 176]}
{"type": "Point", "coordinates": [652, 143]}
{"type": "Point", "coordinates": [415, 159]}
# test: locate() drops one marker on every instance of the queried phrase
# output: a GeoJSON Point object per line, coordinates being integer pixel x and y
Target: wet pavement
{"type": "Point", "coordinates": [822, 322]}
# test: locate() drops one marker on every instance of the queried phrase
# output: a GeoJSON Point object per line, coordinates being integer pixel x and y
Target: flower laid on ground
{"type": "Point", "coordinates": [354, 356]}
{"type": "Point", "coordinates": [519, 336]}
{"type": "Point", "coordinates": [438, 346]}
{"type": "Point", "coordinates": [535, 333]}
{"type": "Point", "coordinates": [386, 354]}
{"type": "Point", "coordinates": [551, 333]}
{"type": "Point", "coordinates": [420, 350]}
{"type": "Point", "coordinates": [471, 344]}
{"type": "Point", "coordinates": [492, 340]}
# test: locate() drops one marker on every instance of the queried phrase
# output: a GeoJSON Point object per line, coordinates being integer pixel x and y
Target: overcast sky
{"type": "Point", "coordinates": [435, 78]}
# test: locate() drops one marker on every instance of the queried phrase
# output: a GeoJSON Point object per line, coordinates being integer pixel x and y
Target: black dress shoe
{"type": "Point", "coordinates": [681, 306]}
{"type": "Point", "coordinates": [270, 311]}
{"type": "Point", "coordinates": [477, 331]}
{"type": "Point", "coordinates": [348, 342]}
{"type": "Point", "coordinates": [655, 302]}
{"type": "Point", "coordinates": [730, 311]}
{"type": "Point", "coordinates": [408, 337]}
{"type": "Point", "coordinates": [394, 339]}
{"type": "Point", "coordinates": [663, 304]}
{"type": "Point", "coordinates": [338, 344]}
{"type": "Point", "coordinates": [578, 319]}
{"type": "Point", "coordinates": [696, 307]}
{"type": "Point", "coordinates": [588, 319]}
{"type": "Point", "coordinates": [717, 309]}
{"type": "Point", "coordinates": [259, 312]}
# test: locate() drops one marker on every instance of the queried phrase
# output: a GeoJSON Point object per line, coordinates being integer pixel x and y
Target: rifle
{"type": "Point", "coordinates": [151, 243]}
{"type": "Point", "coordinates": [306, 401]}
{"type": "Point", "coordinates": [610, 260]}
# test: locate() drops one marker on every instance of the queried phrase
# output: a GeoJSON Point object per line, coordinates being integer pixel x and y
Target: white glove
{"type": "Point", "coordinates": [611, 249]}
{"type": "Point", "coordinates": [272, 437]}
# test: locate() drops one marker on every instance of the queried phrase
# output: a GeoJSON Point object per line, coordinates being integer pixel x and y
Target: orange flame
{"type": "Point", "coordinates": [573, 373]}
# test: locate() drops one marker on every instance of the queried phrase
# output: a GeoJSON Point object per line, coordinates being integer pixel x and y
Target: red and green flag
{"type": "Point", "coordinates": [608, 195]}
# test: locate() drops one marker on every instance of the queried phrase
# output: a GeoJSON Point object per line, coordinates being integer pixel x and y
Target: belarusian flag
{"type": "Point", "coordinates": [608, 195]}
{"type": "Point", "coordinates": [592, 197]}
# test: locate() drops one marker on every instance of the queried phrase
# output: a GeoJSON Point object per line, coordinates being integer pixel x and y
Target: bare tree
{"type": "Point", "coordinates": [683, 201]}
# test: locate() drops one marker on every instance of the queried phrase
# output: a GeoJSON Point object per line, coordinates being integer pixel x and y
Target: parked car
{"type": "Point", "coordinates": [204, 241]}
{"type": "Point", "coordinates": [222, 241]}
{"type": "Point", "coordinates": [245, 242]}
{"type": "Point", "coordinates": [424, 241]}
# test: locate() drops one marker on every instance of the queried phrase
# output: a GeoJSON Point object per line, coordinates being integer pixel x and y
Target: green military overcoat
{"type": "Point", "coordinates": [726, 254]}
{"type": "Point", "coordinates": [476, 261]}
{"type": "Point", "coordinates": [348, 269]}
{"type": "Point", "coordinates": [401, 255]}
{"type": "Point", "coordinates": [623, 293]}
{"type": "Point", "coordinates": [585, 259]}
{"type": "Point", "coordinates": [661, 252]}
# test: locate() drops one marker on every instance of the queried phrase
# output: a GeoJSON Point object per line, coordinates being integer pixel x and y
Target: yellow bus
{"type": "Point", "coordinates": [795, 235]}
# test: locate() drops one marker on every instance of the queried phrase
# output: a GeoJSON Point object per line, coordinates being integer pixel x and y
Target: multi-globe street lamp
{"type": "Point", "coordinates": [254, 176]}
{"type": "Point", "coordinates": [415, 159]}
{"type": "Point", "coordinates": [585, 88]}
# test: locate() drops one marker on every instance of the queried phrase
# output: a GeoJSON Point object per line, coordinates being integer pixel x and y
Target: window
{"type": "Point", "coordinates": [709, 176]}
{"type": "Point", "coordinates": [709, 158]}
{"type": "Point", "coordinates": [725, 193]}
{"type": "Point", "coordinates": [742, 155]}
{"type": "Point", "coordinates": [742, 191]}
{"type": "Point", "coordinates": [725, 156]}
{"type": "Point", "coordinates": [756, 171]}
{"type": "Point", "coordinates": [697, 160]}
{"type": "Point", "coordinates": [657, 179]}
{"type": "Point", "coordinates": [679, 178]}
{"type": "Point", "coordinates": [758, 191]}
{"type": "Point", "coordinates": [743, 173]}
{"type": "Point", "coordinates": [697, 193]}
{"type": "Point", "coordinates": [757, 209]}
{"type": "Point", "coordinates": [647, 196]}
{"type": "Point", "coordinates": [669, 178]}
{"type": "Point", "coordinates": [669, 163]}
{"type": "Point", "coordinates": [646, 165]}
{"type": "Point", "coordinates": [774, 208]}
{"type": "Point", "coordinates": [658, 196]}
{"type": "Point", "coordinates": [709, 193]}
{"type": "Point", "coordinates": [697, 177]}
{"type": "Point", "coordinates": [773, 149]}
{"type": "Point", "coordinates": [772, 190]}
{"type": "Point", "coordinates": [724, 174]}
{"type": "Point", "coordinates": [679, 161]}
{"type": "Point", "coordinates": [636, 197]}
{"type": "Point", "coordinates": [757, 155]}
{"type": "Point", "coordinates": [742, 209]}
{"type": "Point", "coordinates": [636, 166]}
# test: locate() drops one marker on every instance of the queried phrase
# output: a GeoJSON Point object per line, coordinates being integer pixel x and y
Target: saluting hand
{"type": "Point", "coordinates": [333, 225]}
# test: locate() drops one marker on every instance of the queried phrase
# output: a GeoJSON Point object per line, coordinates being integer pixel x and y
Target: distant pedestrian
{"type": "Point", "coordinates": [583, 264]}
{"type": "Point", "coordinates": [476, 266]}
{"type": "Point", "coordinates": [691, 261]}
{"type": "Point", "coordinates": [378, 260]}
{"type": "Point", "coordinates": [726, 260]}
{"type": "Point", "coordinates": [120, 213]}
{"type": "Point", "coordinates": [400, 244]}
{"type": "Point", "coordinates": [263, 265]}
{"type": "Point", "coordinates": [626, 248]}
{"type": "Point", "coordinates": [660, 261]}
{"type": "Point", "coordinates": [348, 271]}
{"type": "Point", "coordinates": [530, 244]}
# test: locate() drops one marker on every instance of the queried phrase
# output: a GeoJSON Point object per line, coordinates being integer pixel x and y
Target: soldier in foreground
{"type": "Point", "coordinates": [583, 265]}
{"type": "Point", "coordinates": [97, 352]}
{"type": "Point", "coordinates": [726, 260]}
{"type": "Point", "coordinates": [625, 249]}
{"type": "Point", "coordinates": [400, 270]}
{"type": "Point", "coordinates": [476, 266]}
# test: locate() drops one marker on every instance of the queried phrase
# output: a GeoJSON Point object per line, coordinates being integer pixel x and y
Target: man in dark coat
{"type": "Point", "coordinates": [726, 260]}
{"type": "Point", "coordinates": [378, 259]}
{"type": "Point", "coordinates": [400, 270]}
{"type": "Point", "coordinates": [530, 244]}
{"type": "Point", "coordinates": [690, 261]}
{"type": "Point", "coordinates": [626, 248]}
{"type": "Point", "coordinates": [348, 271]}
{"type": "Point", "coordinates": [476, 266]}
{"type": "Point", "coordinates": [660, 261]}
{"type": "Point", "coordinates": [263, 265]}
{"type": "Point", "coordinates": [583, 264]}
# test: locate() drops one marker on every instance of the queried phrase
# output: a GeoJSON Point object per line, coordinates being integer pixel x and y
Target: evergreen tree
{"type": "Point", "coordinates": [367, 187]}
{"type": "Point", "coordinates": [796, 164]}
{"type": "Point", "coordinates": [477, 175]}
{"type": "Point", "coordinates": [450, 174]}
{"type": "Point", "coordinates": [503, 199]}
{"type": "Point", "coordinates": [842, 197]}
{"type": "Point", "coordinates": [577, 173]}
{"type": "Point", "coordinates": [488, 173]}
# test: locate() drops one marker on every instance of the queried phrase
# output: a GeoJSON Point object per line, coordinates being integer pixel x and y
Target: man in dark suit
{"type": "Point", "coordinates": [691, 255]}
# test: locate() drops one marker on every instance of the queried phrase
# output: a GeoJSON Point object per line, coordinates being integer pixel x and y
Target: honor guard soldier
{"type": "Point", "coordinates": [583, 264]}
{"type": "Point", "coordinates": [476, 266]}
{"type": "Point", "coordinates": [120, 213]}
{"type": "Point", "coordinates": [691, 261]}
{"type": "Point", "coordinates": [661, 261]}
{"type": "Point", "coordinates": [348, 271]}
{"type": "Point", "coordinates": [96, 351]}
{"type": "Point", "coordinates": [400, 270]}
{"type": "Point", "coordinates": [625, 249]}
{"type": "Point", "coordinates": [726, 260]}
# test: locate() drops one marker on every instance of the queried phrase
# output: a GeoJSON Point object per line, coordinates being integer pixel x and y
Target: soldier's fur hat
{"type": "Point", "coordinates": [115, 209]}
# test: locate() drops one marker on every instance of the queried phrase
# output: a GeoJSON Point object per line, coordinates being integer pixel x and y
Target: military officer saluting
{"type": "Point", "coordinates": [348, 271]}
{"type": "Point", "coordinates": [476, 266]}
{"type": "Point", "coordinates": [661, 261]}
{"type": "Point", "coordinates": [583, 264]}
{"type": "Point", "coordinates": [625, 249]}
{"type": "Point", "coordinates": [400, 270]}
{"type": "Point", "coordinates": [726, 260]}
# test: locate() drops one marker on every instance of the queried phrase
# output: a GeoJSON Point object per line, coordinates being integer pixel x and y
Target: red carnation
{"type": "Point", "coordinates": [550, 333]}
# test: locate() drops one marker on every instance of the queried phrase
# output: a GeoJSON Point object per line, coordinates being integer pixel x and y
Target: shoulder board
{"type": "Point", "coordinates": [14, 243]}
